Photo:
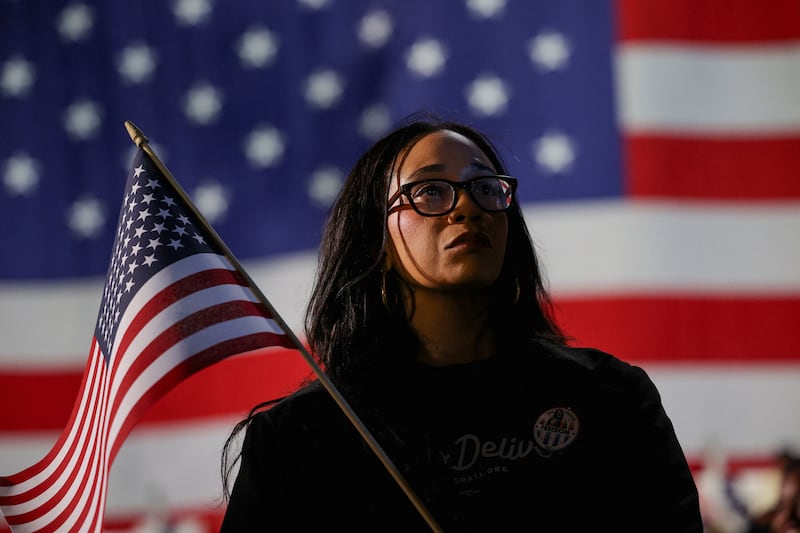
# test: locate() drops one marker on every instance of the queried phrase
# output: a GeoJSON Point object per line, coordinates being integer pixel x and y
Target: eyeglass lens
{"type": "Point", "coordinates": [439, 196]}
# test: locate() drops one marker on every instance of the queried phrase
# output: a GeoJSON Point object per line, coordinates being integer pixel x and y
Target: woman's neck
{"type": "Point", "coordinates": [452, 328]}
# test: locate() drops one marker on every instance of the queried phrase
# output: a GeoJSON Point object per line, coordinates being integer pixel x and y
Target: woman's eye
{"type": "Point", "coordinates": [429, 189]}
{"type": "Point", "coordinates": [488, 189]}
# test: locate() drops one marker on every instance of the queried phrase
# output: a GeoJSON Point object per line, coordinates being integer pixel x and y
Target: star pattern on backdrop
{"type": "Point", "coordinates": [224, 108]}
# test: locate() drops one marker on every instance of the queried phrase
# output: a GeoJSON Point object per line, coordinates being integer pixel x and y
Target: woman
{"type": "Point", "coordinates": [429, 314]}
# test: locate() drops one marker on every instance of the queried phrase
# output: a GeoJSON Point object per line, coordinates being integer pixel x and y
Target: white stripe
{"type": "Point", "coordinates": [67, 311]}
{"type": "Point", "coordinates": [48, 324]}
{"type": "Point", "coordinates": [591, 247]}
{"type": "Point", "coordinates": [709, 89]}
{"type": "Point", "coordinates": [739, 409]}
{"type": "Point", "coordinates": [668, 247]}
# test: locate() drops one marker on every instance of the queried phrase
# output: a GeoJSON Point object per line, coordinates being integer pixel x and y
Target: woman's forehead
{"type": "Point", "coordinates": [437, 150]}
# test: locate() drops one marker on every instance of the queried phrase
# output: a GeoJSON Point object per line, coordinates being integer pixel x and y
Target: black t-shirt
{"type": "Point", "coordinates": [545, 438]}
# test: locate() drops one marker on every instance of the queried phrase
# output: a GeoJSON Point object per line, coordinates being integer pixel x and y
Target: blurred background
{"type": "Point", "coordinates": [657, 146]}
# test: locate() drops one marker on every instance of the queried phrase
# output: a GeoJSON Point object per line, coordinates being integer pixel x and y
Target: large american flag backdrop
{"type": "Point", "coordinates": [657, 145]}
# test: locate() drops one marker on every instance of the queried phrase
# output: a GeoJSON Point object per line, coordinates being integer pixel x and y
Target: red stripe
{"type": "Point", "coordinates": [713, 168]}
{"type": "Point", "coordinates": [737, 21]}
{"type": "Point", "coordinates": [206, 518]}
{"type": "Point", "coordinates": [266, 374]}
{"type": "Point", "coordinates": [738, 463]}
{"type": "Point", "coordinates": [269, 374]}
{"type": "Point", "coordinates": [35, 410]}
{"type": "Point", "coordinates": [675, 328]}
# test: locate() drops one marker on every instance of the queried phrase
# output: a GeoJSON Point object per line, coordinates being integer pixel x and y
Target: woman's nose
{"type": "Point", "coordinates": [465, 208]}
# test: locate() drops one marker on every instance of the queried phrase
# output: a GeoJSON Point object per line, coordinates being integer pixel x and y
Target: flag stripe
{"type": "Point", "coordinates": [728, 21]}
{"type": "Point", "coordinates": [204, 396]}
{"type": "Point", "coordinates": [744, 409]}
{"type": "Point", "coordinates": [49, 411]}
{"type": "Point", "coordinates": [659, 245]}
{"type": "Point", "coordinates": [663, 247]}
{"type": "Point", "coordinates": [682, 328]}
{"type": "Point", "coordinates": [713, 168]}
{"type": "Point", "coordinates": [677, 89]}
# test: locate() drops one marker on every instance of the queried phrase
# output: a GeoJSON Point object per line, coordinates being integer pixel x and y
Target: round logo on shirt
{"type": "Point", "coordinates": [555, 429]}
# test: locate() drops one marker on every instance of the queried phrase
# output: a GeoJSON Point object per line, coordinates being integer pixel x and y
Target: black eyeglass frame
{"type": "Point", "coordinates": [405, 190]}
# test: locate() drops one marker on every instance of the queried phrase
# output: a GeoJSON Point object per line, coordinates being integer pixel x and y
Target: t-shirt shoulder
{"type": "Point", "coordinates": [307, 403]}
{"type": "Point", "coordinates": [601, 366]}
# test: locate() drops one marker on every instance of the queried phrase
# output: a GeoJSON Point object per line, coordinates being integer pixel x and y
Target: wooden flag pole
{"type": "Point", "coordinates": [142, 142]}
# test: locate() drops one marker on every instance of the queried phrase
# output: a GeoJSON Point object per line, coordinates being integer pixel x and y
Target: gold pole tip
{"type": "Point", "coordinates": [135, 134]}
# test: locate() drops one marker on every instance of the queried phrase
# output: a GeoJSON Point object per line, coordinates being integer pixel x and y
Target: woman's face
{"type": "Point", "coordinates": [461, 250]}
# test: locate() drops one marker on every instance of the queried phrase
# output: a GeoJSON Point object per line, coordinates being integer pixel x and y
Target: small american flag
{"type": "Point", "coordinates": [173, 303]}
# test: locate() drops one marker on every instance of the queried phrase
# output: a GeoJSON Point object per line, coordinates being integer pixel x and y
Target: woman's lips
{"type": "Point", "coordinates": [471, 239]}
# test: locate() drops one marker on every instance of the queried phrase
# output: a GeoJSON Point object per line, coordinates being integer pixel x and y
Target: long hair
{"type": "Point", "coordinates": [358, 336]}
{"type": "Point", "coordinates": [349, 326]}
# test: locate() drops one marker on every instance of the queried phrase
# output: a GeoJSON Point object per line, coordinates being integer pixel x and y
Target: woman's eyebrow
{"type": "Point", "coordinates": [436, 167]}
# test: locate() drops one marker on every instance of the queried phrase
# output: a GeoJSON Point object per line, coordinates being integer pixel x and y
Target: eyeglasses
{"type": "Point", "coordinates": [431, 198]}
